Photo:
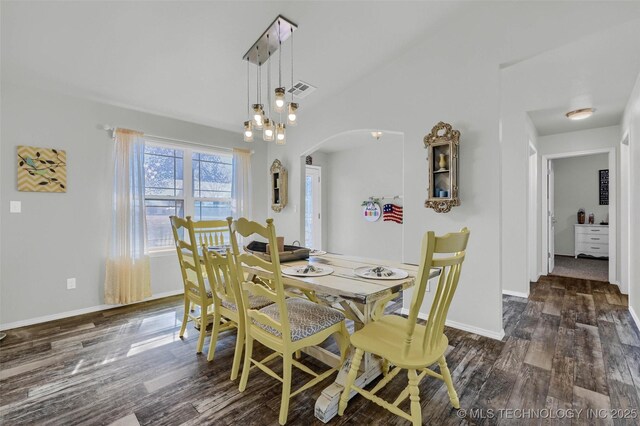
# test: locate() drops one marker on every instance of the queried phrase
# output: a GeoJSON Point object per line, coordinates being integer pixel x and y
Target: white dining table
{"type": "Point", "coordinates": [361, 299]}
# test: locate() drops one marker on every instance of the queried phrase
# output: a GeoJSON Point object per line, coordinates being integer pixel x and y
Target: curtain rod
{"type": "Point", "coordinates": [112, 129]}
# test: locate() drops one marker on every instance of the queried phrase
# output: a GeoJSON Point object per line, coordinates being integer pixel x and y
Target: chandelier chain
{"type": "Point", "coordinates": [279, 57]}
{"type": "Point", "coordinates": [291, 88]}
{"type": "Point", "coordinates": [248, 90]}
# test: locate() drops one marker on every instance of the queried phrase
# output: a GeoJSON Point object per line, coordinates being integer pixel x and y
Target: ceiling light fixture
{"type": "Point", "coordinates": [377, 135]}
{"type": "Point", "coordinates": [580, 114]}
{"type": "Point", "coordinates": [273, 128]}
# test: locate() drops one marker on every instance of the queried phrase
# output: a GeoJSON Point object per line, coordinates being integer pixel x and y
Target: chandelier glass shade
{"type": "Point", "coordinates": [291, 114]}
{"type": "Point", "coordinates": [279, 113]}
{"type": "Point", "coordinates": [281, 134]}
{"type": "Point", "coordinates": [248, 131]}
{"type": "Point", "coordinates": [268, 131]}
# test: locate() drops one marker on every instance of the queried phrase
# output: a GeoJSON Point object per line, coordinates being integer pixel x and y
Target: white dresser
{"type": "Point", "coordinates": [592, 240]}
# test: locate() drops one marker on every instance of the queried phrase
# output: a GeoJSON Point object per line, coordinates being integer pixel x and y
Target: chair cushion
{"type": "Point", "coordinates": [197, 292]}
{"type": "Point", "coordinates": [306, 318]}
{"type": "Point", "coordinates": [255, 302]}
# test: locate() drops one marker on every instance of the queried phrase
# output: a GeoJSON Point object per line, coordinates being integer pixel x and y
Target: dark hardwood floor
{"type": "Point", "coordinates": [572, 345]}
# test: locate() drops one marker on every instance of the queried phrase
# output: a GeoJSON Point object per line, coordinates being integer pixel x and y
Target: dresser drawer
{"type": "Point", "coordinates": [592, 230]}
{"type": "Point", "coordinates": [592, 238]}
{"type": "Point", "coordinates": [592, 249]}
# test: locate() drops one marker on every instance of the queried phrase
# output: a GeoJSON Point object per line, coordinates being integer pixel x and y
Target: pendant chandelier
{"type": "Point", "coordinates": [274, 116]}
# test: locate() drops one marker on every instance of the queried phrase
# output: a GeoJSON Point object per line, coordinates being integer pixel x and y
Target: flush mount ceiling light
{"type": "Point", "coordinates": [580, 114]}
{"type": "Point", "coordinates": [258, 117]}
{"type": "Point", "coordinates": [376, 135]}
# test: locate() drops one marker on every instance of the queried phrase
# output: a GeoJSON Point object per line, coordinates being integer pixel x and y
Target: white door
{"type": "Point", "coordinates": [313, 208]}
{"type": "Point", "coordinates": [551, 217]}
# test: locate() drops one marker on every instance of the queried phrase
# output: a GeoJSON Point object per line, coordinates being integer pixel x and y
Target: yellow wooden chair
{"type": "Point", "coordinates": [228, 309]}
{"type": "Point", "coordinates": [406, 344]}
{"type": "Point", "coordinates": [286, 326]}
{"type": "Point", "coordinates": [212, 233]}
{"type": "Point", "coordinates": [195, 290]}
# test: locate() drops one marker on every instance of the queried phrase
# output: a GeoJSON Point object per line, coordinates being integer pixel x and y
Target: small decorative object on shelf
{"type": "Point", "coordinates": [581, 216]}
{"type": "Point", "coordinates": [592, 219]}
{"type": "Point", "coordinates": [278, 186]}
{"type": "Point", "coordinates": [442, 158]}
{"type": "Point", "coordinates": [308, 160]}
{"type": "Point", "coordinates": [442, 163]}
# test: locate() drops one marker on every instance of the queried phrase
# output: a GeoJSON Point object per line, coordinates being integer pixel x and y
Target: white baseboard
{"type": "Point", "coordinates": [515, 293]}
{"type": "Point", "coordinates": [463, 327]}
{"type": "Point", "coordinates": [61, 315]}
{"type": "Point", "coordinates": [635, 317]}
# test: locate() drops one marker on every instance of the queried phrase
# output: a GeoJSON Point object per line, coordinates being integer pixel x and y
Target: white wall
{"type": "Point", "coordinates": [631, 126]}
{"type": "Point", "coordinates": [584, 140]}
{"type": "Point", "coordinates": [58, 236]}
{"type": "Point", "coordinates": [352, 176]}
{"type": "Point", "coordinates": [534, 219]}
{"type": "Point", "coordinates": [576, 186]}
{"type": "Point", "coordinates": [454, 76]}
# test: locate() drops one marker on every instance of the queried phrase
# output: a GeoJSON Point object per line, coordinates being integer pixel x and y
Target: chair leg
{"type": "Point", "coordinates": [214, 335]}
{"type": "Point", "coordinates": [203, 329]}
{"type": "Point", "coordinates": [237, 356]}
{"type": "Point", "coordinates": [446, 375]}
{"type": "Point", "coordinates": [342, 339]}
{"type": "Point", "coordinates": [385, 367]}
{"type": "Point", "coordinates": [351, 377]}
{"type": "Point", "coordinates": [416, 410]}
{"type": "Point", "coordinates": [247, 363]}
{"type": "Point", "coordinates": [185, 317]}
{"type": "Point", "coordinates": [298, 354]}
{"type": "Point", "coordinates": [286, 387]}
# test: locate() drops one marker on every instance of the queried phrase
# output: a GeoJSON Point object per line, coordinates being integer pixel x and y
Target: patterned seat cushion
{"type": "Point", "coordinates": [197, 292]}
{"type": "Point", "coordinates": [305, 318]}
{"type": "Point", "coordinates": [255, 302]}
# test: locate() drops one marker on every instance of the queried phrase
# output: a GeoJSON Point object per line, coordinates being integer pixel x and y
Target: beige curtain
{"type": "Point", "coordinates": [128, 277]}
{"type": "Point", "coordinates": [241, 186]}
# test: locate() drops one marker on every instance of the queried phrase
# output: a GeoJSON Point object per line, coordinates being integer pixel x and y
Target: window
{"type": "Point", "coordinates": [205, 196]}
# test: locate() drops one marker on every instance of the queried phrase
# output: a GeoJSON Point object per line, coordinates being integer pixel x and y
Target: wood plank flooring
{"type": "Point", "coordinates": [572, 345]}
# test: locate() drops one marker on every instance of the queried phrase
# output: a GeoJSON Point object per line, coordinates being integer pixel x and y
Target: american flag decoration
{"type": "Point", "coordinates": [391, 212]}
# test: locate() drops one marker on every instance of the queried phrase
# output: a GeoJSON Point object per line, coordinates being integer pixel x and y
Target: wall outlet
{"type": "Point", "coordinates": [15, 206]}
{"type": "Point", "coordinates": [71, 283]}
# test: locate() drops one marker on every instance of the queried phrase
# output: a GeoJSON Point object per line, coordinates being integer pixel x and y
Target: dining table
{"type": "Point", "coordinates": [361, 298]}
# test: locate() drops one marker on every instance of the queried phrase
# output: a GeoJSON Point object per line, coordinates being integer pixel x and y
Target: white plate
{"type": "Point", "coordinates": [298, 271]}
{"type": "Point", "coordinates": [317, 252]}
{"type": "Point", "coordinates": [366, 272]}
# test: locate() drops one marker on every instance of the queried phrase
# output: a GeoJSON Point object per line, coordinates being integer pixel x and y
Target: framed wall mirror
{"type": "Point", "coordinates": [442, 160]}
{"type": "Point", "coordinates": [278, 186]}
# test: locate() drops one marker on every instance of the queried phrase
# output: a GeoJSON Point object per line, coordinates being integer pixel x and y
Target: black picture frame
{"type": "Point", "coordinates": [604, 186]}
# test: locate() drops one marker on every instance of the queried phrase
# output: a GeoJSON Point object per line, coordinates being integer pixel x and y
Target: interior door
{"type": "Point", "coordinates": [551, 217]}
{"type": "Point", "coordinates": [313, 208]}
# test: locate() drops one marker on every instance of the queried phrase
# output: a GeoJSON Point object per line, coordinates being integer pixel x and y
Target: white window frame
{"type": "Point", "coordinates": [187, 198]}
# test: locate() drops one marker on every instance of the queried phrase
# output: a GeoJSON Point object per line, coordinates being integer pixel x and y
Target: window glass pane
{"type": "Point", "coordinates": [159, 150]}
{"type": "Point", "coordinates": [212, 175]}
{"type": "Point", "coordinates": [159, 232]}
{"type": "Point", "coordinates": [210, 210]}
{"type": "Point", "coordinates": [163, 171]}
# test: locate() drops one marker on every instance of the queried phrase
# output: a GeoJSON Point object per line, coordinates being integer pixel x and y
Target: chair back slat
{"type": "Point", "coordinates": [188, 255]}
{"type": "Point", "coordinates": [453, 245]}
{"type": "Point", "coordinates": [211, 232]}
{"type": "Point", "coordinates": [246, 228]}
{"type": "Point", "coordinates": [219, 274]}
